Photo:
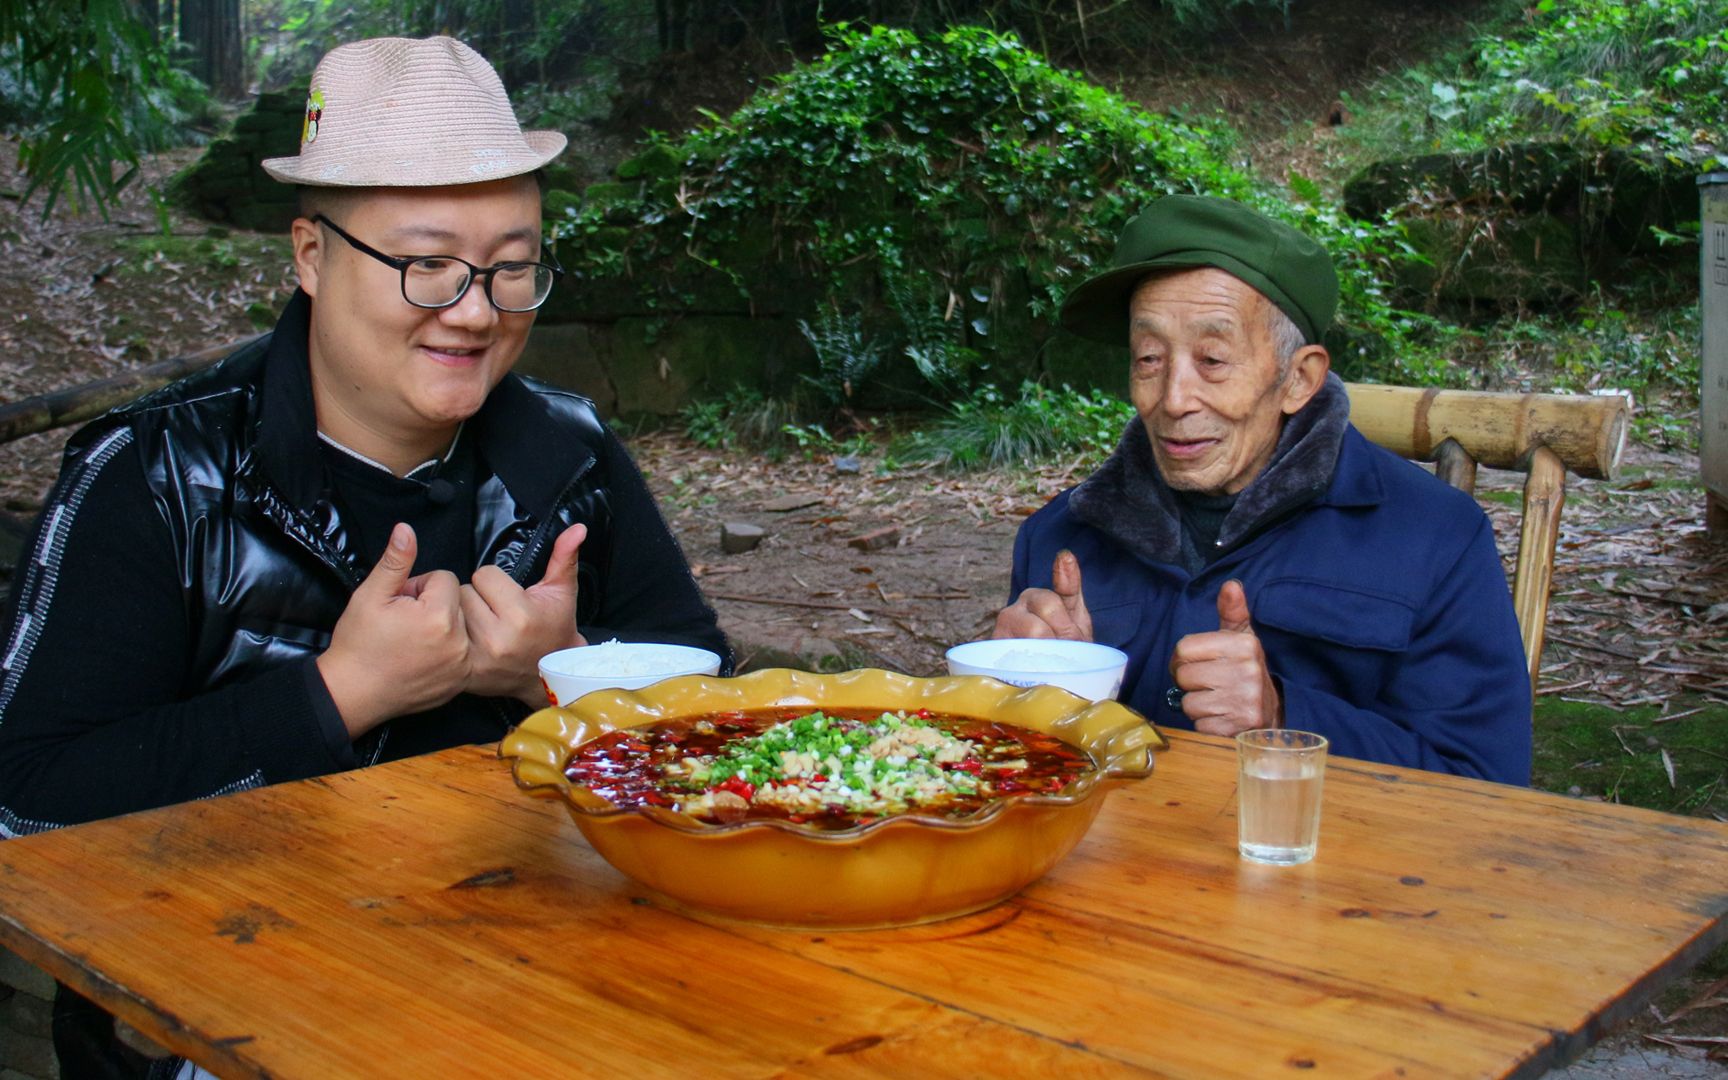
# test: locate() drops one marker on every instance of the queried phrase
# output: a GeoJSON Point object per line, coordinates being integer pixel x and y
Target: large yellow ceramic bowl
{"type": "Point", "coordinates": [898, 870]}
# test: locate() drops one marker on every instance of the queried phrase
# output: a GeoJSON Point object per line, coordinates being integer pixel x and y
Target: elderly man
{"type": "Point", "coordinates": [1260, 562]}
{"type": "Point", "coordinates": [350, 541]}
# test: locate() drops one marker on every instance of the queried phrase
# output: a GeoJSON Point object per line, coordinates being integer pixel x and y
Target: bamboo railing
{"type": "Point", "coordinates": [1542, 435]}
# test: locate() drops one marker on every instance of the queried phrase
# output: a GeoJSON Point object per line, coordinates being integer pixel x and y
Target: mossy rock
{"type": "Point", "coordinates": [254, 123]}
{"type": "Point", "coordinates": [263, 215]}
{"type": "Point", "coordinates": [1523, 178]}
{"type": "Point", "coordinates": [1503, 261]}
{"type": "Point", "coordinates": [1564, 215]}
{"type": "Point", "coordinates": [570, 356]}
{"type": "Point", "coordinates": [585, 297]}
{"type": "Point", "coordinates": [850, 172]}
{"type": "Point", "coordinates": [226, 184]}
{"type": "Point", "coordinates": [562, 176]}
{"type": "Point", "coordinates": [281, 103]}
{"type": "Point", "coordinates": [610, 193]}
{"type": "Point", "coordinates": [657, 366]}
{"type": "Point", "coordinates": [756, 247]}
{"type": "Point", "coordinates": [556, 202]}
{"type": "Point", "coordinates": [658, 162]}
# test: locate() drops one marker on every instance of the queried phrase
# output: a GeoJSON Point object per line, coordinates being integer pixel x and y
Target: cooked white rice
{"type": "Point", "coordinates": [621, 658]}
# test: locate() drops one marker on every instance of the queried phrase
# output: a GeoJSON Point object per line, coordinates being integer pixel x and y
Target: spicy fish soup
{"type": "Point", "coordinates": [831, 768]}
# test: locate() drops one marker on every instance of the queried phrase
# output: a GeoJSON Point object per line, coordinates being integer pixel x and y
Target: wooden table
{"type": "Point", "coordinates": [425, 919]}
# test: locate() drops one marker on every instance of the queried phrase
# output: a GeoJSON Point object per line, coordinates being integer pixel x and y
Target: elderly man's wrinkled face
{"type": "Point", "coordinates": [1205, 378]}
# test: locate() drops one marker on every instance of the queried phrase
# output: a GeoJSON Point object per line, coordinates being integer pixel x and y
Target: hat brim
{"type": "Point", "coordinates": [436, 171]}
{"type": "Point", "coordinates": [1098, 307]}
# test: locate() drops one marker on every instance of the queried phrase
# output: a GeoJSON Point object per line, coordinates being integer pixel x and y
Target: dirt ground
{"type": "Point", "coordinates": [82, 298]}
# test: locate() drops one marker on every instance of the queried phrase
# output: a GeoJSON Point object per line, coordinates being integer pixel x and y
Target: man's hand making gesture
{"type": "Point", "coordinates": [408, 643]}
{"type": "Point", "coordinates": [1223, 673]}
{"type": "Point", "coordinates": [1227, 685]}
{"type": "Point", "coordinates": [400, 645]}
{"type": "Point", "coordinates": [1056, 612]}
{"type": "Point", "coordinates": [510, 628]}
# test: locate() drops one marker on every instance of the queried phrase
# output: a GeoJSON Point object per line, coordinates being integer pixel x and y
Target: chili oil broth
{"type": "Point", "coordinates": [625, 766]}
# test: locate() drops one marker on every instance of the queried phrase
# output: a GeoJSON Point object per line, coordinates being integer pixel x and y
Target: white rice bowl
{"type": "Point", "coordinates": [619, 665]}
{"type": "Point", "coordinates": [1085, 668]}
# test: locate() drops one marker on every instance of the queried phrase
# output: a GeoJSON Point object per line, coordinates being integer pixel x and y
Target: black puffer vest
{"type": "Point", "coordinates": [266, 562]}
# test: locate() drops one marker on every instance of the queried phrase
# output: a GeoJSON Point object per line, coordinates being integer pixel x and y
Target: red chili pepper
{"type": "Point", "coordinates": [818, 779]}
{"type": "Point", "coordinates": [971, 765]}
{"type": "Point", "coordinates": [923, 714]}
{"type": "Point", "coordinates": [744, 791]}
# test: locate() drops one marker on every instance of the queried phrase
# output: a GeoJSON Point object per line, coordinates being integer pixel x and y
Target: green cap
{"type": "Point", "coordinates": [1288, 267]}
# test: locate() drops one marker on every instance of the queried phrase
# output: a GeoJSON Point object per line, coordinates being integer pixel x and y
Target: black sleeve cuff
{"type": "Point", "coordinates": [329, 719]}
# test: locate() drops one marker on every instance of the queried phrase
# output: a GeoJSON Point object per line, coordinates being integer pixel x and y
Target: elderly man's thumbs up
{"type": "Point", "coordinates": [1233, 608]}
{"type": "Point", "coordinates": [1056, 612]}
{"type": "Point", "coordinates": [400, 645]}
{"type": "Point", "coordinates": [1228, 687]}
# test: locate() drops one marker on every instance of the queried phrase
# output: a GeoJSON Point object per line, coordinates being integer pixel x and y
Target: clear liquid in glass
{"type": "Point", "coordinates": [1278, 815]}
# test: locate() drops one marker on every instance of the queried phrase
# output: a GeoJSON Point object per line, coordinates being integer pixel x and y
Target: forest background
{"type": "Point", "coordinates": [815, 247]}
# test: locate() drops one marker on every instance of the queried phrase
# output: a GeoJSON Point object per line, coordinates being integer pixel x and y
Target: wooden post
{"type": "Point", "coordinates": [1544, 495]}
{"type": "Point", "coordinates": [1455, 466]}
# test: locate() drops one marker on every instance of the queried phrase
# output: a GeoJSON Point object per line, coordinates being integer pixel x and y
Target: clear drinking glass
{"type": "Point", "coordinates": [1279, 775]}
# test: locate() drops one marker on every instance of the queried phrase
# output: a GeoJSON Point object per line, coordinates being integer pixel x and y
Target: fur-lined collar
{"type": "Point", "coordinates": [1128, 501]}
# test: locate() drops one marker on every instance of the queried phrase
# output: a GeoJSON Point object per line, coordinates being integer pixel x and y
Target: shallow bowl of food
{"type": "Point", "coordinates": [619, 665]}
{"type": "Point", "coordinates": [1084, 667]}
{"type": "Point", "coordinates": [856, 800]}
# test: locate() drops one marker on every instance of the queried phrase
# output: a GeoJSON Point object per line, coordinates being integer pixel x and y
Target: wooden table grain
{"type": "Point", "coordinates": [425, 919]}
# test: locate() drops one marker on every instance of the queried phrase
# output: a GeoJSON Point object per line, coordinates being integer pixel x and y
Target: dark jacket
{"type": "Point", "coordinates": [1378, 597]}
{"type": "Point", "coordinates": [246, 538]}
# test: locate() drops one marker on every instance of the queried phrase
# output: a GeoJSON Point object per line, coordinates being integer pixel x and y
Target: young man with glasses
{"type": "Point", "coordinates": [349, 541]}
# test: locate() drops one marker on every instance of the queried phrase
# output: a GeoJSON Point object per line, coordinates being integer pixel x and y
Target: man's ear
{"type": "Point", "coordinates": [308, 243]}
{"type": "Point", "coordinates": [1308, 368]}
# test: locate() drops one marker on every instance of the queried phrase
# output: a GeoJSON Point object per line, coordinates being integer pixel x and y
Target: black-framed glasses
{"type": "Point", "coordinates": [440, 281]}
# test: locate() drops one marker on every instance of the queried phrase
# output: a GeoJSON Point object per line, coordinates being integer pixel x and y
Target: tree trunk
{"type": "Point", "coordinates": [150, 14]}
{"type": "Point", "coordinates": [510, 54]}
{"type": "Point", "coordinates": [212, 31]}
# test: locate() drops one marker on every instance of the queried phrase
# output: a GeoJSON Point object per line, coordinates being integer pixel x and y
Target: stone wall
{"type": "Point", "coordinates": [635, 366]}
{"type": "Point", "coordinates": [227, 185]}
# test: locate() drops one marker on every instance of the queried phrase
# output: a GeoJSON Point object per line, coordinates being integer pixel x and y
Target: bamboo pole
{"type": "Point", "coordinates": [1587, 433]}
{"type": "Point", "coordinates": [76, 404]}
{"type": "Point", "coordinates": [1544, 496]}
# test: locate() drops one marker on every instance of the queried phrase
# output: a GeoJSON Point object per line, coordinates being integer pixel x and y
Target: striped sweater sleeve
{"type": "Point", "coordinates": [97, 716]}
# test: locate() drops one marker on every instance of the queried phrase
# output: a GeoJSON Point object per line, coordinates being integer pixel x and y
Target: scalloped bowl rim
{"type": "Point", "coordinates": [650, 704]}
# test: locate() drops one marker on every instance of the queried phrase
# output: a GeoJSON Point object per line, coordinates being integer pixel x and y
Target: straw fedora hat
{"type": "Point", "coordinates": [400, 112]}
